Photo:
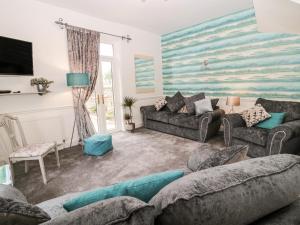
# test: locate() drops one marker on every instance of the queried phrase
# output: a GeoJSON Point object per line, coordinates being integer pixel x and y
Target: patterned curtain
{"type": "Point", "coordinates": [83, 50]}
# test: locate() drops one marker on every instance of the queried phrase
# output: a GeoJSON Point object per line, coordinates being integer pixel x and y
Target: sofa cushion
{"type": "Point", "coordinates": [189, 102]}
{"type": "Point", "coordinates": [208, 156]}
{"type": "Point", "coordinates": [289, 215]}
{"type": "Point", "coordinates": [275, 120]}
{"type": "Point", "coordinates": [255, 115]}
{"type": "Point", "coordinates": [239, 193]}
{"type": "Point", "coordinates": [185, 120]}
{"type": "Point", "coordinates": [143, 188]}
{"type": "Point", "coordinates": [160, 103]}
{"type": "Point", "coordinates": [291, 108]}
{"type": "Point", "coordinates": [254, 135]}
{"type": "Point", "coordinates": [176, 102]}
{"type": "Point", "coordinates": [161, 116]}
{"type": "Point", "coordinates": [115, 211]}
{"type": "Point", "coordinates": [214, 103]}
{"type": "Point", "coordinates": [203, 106]}
{"type": "Point", "coordinates": [16, 213]}
{"type": "Point", "coordinates": [9, 192]}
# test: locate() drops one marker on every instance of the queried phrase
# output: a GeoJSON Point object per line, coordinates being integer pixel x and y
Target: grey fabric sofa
{"type": "Point", "coordinates": [262, 142]}
{"type": "Point", "coordinates": [260, 191]}
{"type": "Point", "coordinates": [199, 128]}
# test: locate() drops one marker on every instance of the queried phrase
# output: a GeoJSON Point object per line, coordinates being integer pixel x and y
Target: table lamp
{"type": "Point", "coordinates": [233, 101]}
{"type": "Point", "coordinates": [77, 80]}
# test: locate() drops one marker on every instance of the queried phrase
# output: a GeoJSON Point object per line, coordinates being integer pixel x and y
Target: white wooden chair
{"type": "Point", "coordinates": [25, 152]}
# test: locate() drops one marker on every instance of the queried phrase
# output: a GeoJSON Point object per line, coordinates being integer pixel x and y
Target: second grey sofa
{"type": "Point", "coordinates": [198, 128]}
{"type": "Point", "coordinates": [262, 142]}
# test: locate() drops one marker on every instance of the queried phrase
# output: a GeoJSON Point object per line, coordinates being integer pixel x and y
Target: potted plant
{"type": "Point", "coordinates": [42, 84]}
{"type": "Point", "coordinates": [128, 102]}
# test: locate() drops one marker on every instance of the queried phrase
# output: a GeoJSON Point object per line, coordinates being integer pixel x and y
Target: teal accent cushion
{"type": "Point", "coordinates": [143, 188]}
{"type": "Point", "coordinates": [98, 145]}
{"type": "Point", "coordinates": [275, 120]}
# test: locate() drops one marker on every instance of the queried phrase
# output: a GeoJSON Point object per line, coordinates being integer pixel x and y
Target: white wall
{"type": "Point", "coordinates": [34, 22]}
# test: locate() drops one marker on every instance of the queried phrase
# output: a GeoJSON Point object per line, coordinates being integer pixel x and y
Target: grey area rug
{"type": "Point", "coordinates": [134, 155]}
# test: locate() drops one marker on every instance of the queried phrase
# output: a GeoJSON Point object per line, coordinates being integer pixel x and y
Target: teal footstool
{"type": "Point", "coordinates": [98, 145]}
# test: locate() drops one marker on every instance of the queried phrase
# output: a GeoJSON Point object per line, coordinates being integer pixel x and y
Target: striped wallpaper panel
{"type": "Point", "coordinates": [144, 74]}
{"type": "Point", "coordinates": [240, 60]}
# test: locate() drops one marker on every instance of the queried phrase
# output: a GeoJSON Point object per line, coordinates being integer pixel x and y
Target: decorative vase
{"type": "Point", "coordinates": [41, 89]}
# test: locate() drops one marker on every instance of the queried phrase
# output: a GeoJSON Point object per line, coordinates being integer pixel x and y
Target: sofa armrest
{"type": "Point", "coordinates": [212, 116]}
{"type": "Point", "coordinates": [231, 121]}
{"type": "Point", "coordinates": [208, 118]}
{"type": "Point", "coordinates": [147, 109]}
{"type": "Point", "coordinates": [283, 133]}
{"type": "Point", "coordinates": [117, 210]}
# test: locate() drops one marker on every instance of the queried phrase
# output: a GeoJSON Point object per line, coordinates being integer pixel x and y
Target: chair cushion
{"type": "Point", "coordinates": [32, 150]}
{"type": "Point", "coordinates": [239, 193]}
{"type": "Point", "coordinates": [161, 116]}
{"type": "Point", "coordinates": [254, 135]}
{"type": "Point", "coordinates": [185, 120]}
{"type": "Point", "coordinates": [143, 188]}
{"type": "Point", "coordinates": [98, 145]}
{"type": "Point", "coordinates": [208, 156]}
{"type": "Point", "coordinates": [176, 102]}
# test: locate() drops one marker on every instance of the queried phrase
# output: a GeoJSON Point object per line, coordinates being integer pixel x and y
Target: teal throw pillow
{"type": "Point", "coordinates": [275, 120]}
{"type": "Point", "coordinates": [143, 188]}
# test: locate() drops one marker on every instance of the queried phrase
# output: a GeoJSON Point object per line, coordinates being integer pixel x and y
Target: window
{"type": "Point", "coordinates": [106, 50]}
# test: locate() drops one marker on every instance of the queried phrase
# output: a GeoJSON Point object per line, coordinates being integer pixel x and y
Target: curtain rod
{"type": "Point", "coordinates": [62, 25]}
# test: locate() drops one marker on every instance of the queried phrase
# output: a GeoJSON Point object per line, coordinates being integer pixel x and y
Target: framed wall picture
{"type": "Point", "coordinates": [144, 74]}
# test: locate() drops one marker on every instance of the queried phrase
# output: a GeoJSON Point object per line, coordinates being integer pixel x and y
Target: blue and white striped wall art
{"type": "Point", "coordinates": [144, 74]}
{"type": "Point", "coordinates": [241, 61]}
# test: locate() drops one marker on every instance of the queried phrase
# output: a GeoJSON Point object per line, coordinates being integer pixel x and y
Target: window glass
{"type": "Point", "coordinates": [106, 50]}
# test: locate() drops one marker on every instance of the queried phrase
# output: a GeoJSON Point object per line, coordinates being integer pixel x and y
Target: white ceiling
{"type": "Point", "coordinates": [157, 16]}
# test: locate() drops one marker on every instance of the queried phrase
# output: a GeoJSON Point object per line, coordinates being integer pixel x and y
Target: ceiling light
{"type": "Point", "coordinates": [296, 1]}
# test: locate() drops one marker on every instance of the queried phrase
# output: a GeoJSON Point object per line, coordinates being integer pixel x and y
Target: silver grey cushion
{"type": "Point", "coordinates": [203, 106]}
{"type": "Point", "coordinates": [208, 156]}
{"type": "Point", "coordinates": [176, 102]}
{"type": "Point", "coordinates": [9, 192]}
{"type": "Point", "coordinates": [114, 211]}
{"type": "Point", "coordinates": [239, 193]}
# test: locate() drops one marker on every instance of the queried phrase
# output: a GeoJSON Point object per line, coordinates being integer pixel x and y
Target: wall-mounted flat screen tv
{"type": "Point", "coordinates": [15, 57]}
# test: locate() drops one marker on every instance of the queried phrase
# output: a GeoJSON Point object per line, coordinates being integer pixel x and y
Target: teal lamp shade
{"type": "Point", "coordinates": [78, 79]}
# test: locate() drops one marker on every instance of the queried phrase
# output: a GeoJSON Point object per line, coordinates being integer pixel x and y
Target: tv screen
{"type": "Point", "coordinates": [15, 57]}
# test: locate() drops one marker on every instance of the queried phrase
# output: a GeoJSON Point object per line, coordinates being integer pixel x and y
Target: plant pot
{"type": "Point", "coordinates": [41, 89]}
{"type": "Point", "coordinates": [130, 127]}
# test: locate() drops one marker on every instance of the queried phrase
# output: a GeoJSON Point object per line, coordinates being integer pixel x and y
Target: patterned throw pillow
{"type": "Point", "coordinates": [176, 102]}
{"type": "Point", "coordinates": [183, 110]}
{"type": "Point", "coordinates": [255, 115]}
{"type": "Point", "coordinates": [160, 103]}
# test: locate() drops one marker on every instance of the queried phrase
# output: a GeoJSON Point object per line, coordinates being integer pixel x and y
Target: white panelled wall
{"type": "Point", "coordinates": [50, 117]}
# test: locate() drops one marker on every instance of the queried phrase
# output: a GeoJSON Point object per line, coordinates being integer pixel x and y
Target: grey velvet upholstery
{"type": "Point", "coordinates": [114, 211]}
{"type": "Point", "coordinates": [239, 193]}
{"type": "Point", "coordinates": [199, 128]}
{"type": "Point", "coordinates": [9, 192]}
{"type": "Point", "coordinates": [262, 142]}
{"type": "Point", "coordinates": [208, 156]}
{"type": "Point", "coordinates": [176, 102]}
{"type": "Point", "coordinates": [289, 215]}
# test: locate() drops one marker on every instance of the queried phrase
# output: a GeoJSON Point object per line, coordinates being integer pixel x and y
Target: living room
{"type": "Point", "coordinates": [100, 99]}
